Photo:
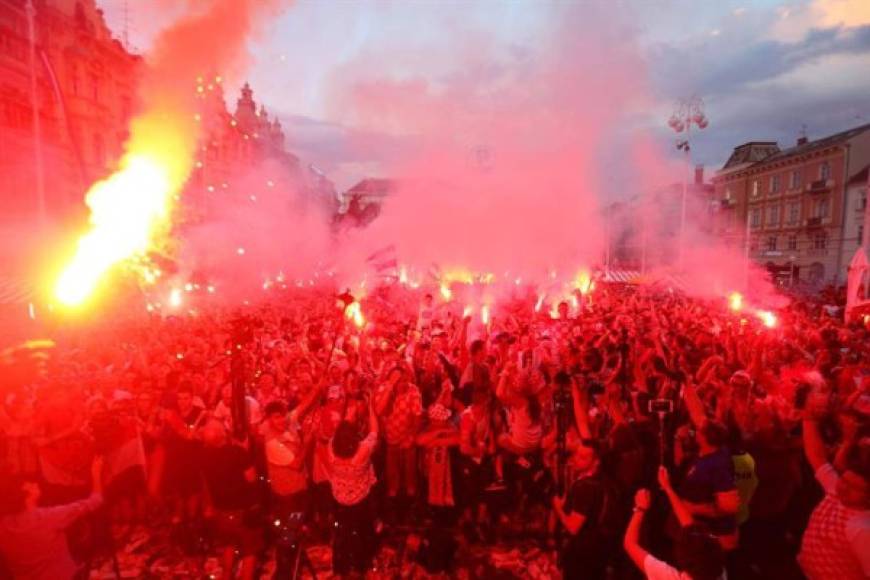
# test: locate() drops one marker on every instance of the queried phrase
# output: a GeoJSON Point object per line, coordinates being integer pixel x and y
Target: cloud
{"type": "Point", "coordinates": [346, 154]}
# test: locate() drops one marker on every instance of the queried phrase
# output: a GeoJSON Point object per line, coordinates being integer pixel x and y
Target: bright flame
{"type": "Point", "coordinates": [446, 292]}
{"type": "Point", "coordinates": [540, 303]}
{"type": "Point", "coordinates": [735, 301]}
{"type": "Point", "coordinates": [767, 317]}
{"type": "Point", "coordinates": [128, 210]}
{"type": "Point", "coordinates": [354, 312]}
{"type": "Point", "coordinates": [583, 283]}
{"type": "Point", "coordinates": [484, 315]}
{"type": "Point", "coordinates": [175, 298]}
{"type": "Point", "coordinates": [466, 312]}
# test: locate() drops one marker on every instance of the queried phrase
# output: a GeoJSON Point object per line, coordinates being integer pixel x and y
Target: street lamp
{"type": "Point", "coordinates": [30, 11]}
{"type": "Point", "coordinates": [688, 112]}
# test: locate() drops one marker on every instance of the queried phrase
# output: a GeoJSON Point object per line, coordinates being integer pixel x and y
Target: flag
{"type": "Point", "coordinates": [855, 280]}
{"type": "Point", "coordinates": [384, 262]}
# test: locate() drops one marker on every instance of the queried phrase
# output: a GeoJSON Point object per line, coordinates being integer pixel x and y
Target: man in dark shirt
{"type": "Point", "coordinates": [584, 555]}
{"type": "Point", "coordinates": [709, 489]}
{"type": "Point", "coordinates": [229, 476]}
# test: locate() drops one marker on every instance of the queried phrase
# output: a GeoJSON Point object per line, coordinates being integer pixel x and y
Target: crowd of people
{"type": "Point", "coordinates": [639, 433]}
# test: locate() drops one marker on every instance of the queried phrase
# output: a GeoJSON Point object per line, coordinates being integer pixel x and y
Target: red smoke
{"type": "Point", "coordinates": [506, 172]}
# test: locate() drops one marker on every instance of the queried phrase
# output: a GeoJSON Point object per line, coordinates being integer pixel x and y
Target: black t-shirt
{"type": "Point", "coordinates": [624, 459]}
{"type": "Point", "coordinates": [224, 471]}
{"type": "Point", "coordinates": [586, 497]}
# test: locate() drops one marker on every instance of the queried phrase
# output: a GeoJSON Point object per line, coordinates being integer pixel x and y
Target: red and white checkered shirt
{"type": "Point", "coordinates": [836, 543]}
{"type": "Point", "coordinates": [400, 419]}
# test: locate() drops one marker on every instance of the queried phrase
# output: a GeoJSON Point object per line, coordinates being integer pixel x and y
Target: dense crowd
{"type": "Point", "coordinates": [638, 433]}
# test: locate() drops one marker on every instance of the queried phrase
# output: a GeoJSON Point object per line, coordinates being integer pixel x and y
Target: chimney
{"type": "Point", "coordinates": [802, 140]}
{"type": "Point", "coordinates": [699, 175]}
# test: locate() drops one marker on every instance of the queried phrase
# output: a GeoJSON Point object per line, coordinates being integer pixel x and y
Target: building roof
{"type": "Point", "coordinates": [751, 152]}
{"type": "Point", "coordinates": [818, 144]}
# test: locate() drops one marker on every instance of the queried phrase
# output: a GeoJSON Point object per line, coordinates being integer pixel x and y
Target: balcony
{"type": "Point", "coordinates": [814, 222]}
{"type": "Point", "coordinates": [820, 185]}
{"type": "Point", "coordinates": [727, 203]}
{"type": "Point", "coordinates": [817, 252]}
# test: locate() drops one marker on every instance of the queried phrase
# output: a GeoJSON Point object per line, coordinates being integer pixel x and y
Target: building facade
{"type": "Point", "coordinates": [85, 96]}
{"type": "Point", "coordinates": [790, 207]}
{"type": "Point", "coordinates": [242, 153]}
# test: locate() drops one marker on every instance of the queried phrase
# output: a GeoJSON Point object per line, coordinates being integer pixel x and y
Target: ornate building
{"type": "Point", "coordinates": [792, 206]}
{"type": "Point", "coordinates": [243, 154]}
{"type": "Point", "coordinates": [85, 91]}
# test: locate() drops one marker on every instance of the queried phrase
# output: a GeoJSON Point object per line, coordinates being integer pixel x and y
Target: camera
{"type": "Point", "coordinates": [660, 406]}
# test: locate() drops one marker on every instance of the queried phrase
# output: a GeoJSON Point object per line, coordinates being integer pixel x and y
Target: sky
{"type": "Point", "coordinates": [766, 69]}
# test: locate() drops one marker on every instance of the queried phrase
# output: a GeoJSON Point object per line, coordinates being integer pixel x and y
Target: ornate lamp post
{"type": "Point", "coordinates": [687, 113]}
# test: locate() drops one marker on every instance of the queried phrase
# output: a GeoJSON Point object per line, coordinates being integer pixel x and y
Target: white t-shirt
{"type": "Point", "coordinates": [655, 569]}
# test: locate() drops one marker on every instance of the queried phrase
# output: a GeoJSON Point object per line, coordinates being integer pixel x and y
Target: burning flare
{"type": "Point", "coordinates": [735, 301]}
{"type": "Point", "coordinates": [127, 210]}
{"type": "Point", "coordinates": [354, 313]}
{"type": "Point", "coordinates": [767, 318]}
{"type": "Point", "coordinates": [446, 292]}
{"type": "Point", "coordinates": [131, 209]}
{"type": "Point", "coordinates": [584, 283]}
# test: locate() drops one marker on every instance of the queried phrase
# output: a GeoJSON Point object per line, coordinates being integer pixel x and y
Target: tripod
{"type": "Point", "coordinates": [290, 553]}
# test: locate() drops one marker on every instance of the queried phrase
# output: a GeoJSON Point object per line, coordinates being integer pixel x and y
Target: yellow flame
{"type": "Point", "coordinates": [354, 313]}
{"type": "Point", "coordinates": [175, 298]}
{"type": "Point", "coordinates": [466, 312]}
{"type": "Point", "coordinates": [583, 282]}
{"type": "Point", "coordinates": [126, 210]}
{"type": "Point", "coordinates": [131, 209]}
{"type": "Point", "coordinates": [735, 301]}
{"type": "Point", "coordinates": [767, 318]}
{"type": "Point", "coordinates": [446, 293]}
{"type": "Point", "coordinates": [484, 315]}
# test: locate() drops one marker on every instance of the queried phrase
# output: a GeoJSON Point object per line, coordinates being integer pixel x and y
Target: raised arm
{"type": "Point", "coordinates": [581, 411]}
{"type": "Point", "coordinates": [631, 541]}
{"type": "Point", "coordinates": [694, 405]}
{"type": "Point", "coordinates": [684, 516]}
{"type": "Point", "coordinates": [814, 446]}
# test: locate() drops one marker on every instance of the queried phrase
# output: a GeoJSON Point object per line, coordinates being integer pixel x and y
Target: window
{"type": "Point", "coordinates": [794, 213]}
{"type": "Point", "coordinates": [728, 193]}
{"type": "Point", "coordinates": [774, 184]}
{"type": "Point", "coordinates": [754, 188]}
{"type": "Point", "coordinates": [773, 215]}
{"type": "Point", "coordinates": [771, 244]}
{"type": "Point", "coordinates": [820, 241]}
{"type": "Point", "coordinates": [822, 208]}
{"type": "Point", "coordinates": [795, 180]}
{"type": "Point", "coordinates": [825, 170]}
{"type": "Point", "coordinates": [860, 233]}
{"type": "Point", "coordinates": [755, 218]}
{"type": "Point", "coordinates": [792, 242]}
{"type": "Point", "coordinates": [862, 203]}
